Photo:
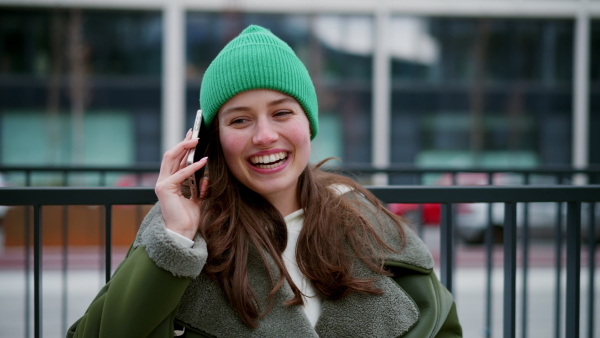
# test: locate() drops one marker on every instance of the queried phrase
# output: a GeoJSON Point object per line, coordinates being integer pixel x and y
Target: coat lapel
{"type": "Point", "coordinates": [390, 314]}
{"type": "Point", "coordinates": [205, 306]}
{"type": "Point", "coordinates": [357, 315]}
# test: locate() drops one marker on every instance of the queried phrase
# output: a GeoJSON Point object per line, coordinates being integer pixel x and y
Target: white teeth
{"type": "Point", "coordinates": [268, 161]}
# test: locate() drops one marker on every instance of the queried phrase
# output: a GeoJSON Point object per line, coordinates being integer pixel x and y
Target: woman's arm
{"type": "Point", "coordinates": [141, 299]}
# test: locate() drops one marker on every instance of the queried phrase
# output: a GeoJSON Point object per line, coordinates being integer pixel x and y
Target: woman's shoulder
{"type": "Point", "coordinates": [409, 249]}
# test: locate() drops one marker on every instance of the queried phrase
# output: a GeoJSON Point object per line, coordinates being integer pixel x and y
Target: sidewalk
{"type": "Point", "coordinates": [82, 286]}
{"type": "Point", "coordinates": [85, 276]}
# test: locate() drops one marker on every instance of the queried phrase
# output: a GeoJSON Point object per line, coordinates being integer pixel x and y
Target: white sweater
{"type": "Point", "coordinates": [310, 296]}
{"type": "Point", "coordinates": [294, 222]}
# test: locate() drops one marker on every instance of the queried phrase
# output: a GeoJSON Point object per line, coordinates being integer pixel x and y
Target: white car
{"type": "Point", "coordinates": [472, 218]}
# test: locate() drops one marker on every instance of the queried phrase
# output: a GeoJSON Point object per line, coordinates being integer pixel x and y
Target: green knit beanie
{"type": "Point", "coordinates": [257, 59]}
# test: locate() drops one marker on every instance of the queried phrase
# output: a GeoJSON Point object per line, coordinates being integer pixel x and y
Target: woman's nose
{"type": "Point", "coordinates": [265, 133]}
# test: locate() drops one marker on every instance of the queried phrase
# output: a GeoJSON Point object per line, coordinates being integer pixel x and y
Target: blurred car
{"type": "Point", "coordinates": [542, 220]}
{"type": "Point", "coordinates": [471, 219]}
{"type": "Point", "coordinates": [422, 214]}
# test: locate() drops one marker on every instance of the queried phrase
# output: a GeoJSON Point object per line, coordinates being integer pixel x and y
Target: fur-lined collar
{"type": "Point", "coordinates": [204, 305]}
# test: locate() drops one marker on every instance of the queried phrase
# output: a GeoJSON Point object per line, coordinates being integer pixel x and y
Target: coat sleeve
{"type": "Point", "coordinates": [142, 297]}
{"type": "Point", "coordinates": [437, 310]}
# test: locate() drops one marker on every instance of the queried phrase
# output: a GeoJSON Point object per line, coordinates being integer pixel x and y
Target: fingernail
{"type": "Point", "coordinates": [189, 132]}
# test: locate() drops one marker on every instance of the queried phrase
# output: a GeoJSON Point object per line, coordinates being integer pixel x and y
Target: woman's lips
{"type": "Point", "coordinates": [269, 161]}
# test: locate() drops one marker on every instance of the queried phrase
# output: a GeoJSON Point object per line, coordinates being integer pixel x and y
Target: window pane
{"type": "Point", "coordinates": [594, 140]}
{"type": "Point", "coordinates": [483, 92]}
{"type": "Point", "coordinates": [89, 79]}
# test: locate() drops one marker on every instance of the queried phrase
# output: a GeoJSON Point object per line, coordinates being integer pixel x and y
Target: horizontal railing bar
{"type": "Point", "coordinates": [77, 196]}
{"type": "Point", "coordinates": [388, 194]}
{"type": "Point", "coordinates": [485, 194]}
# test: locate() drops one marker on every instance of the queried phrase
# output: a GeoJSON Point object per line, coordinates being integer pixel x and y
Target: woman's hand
{"type": "Point", "coordinates": [181, 215]}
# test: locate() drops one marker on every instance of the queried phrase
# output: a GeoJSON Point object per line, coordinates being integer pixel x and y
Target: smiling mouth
{"type": "Point", "coordinates": [269, 161]}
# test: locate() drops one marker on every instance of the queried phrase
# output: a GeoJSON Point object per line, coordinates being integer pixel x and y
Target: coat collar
{"type": "Point", "coordinates": [205, 307]}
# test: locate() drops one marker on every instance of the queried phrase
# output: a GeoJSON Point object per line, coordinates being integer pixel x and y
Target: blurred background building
{"type": "Point", "coordinates": [433, 82]}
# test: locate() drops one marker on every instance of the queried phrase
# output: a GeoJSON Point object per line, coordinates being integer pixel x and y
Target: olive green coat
{"type": "Point", "coordinates": [160, 283]}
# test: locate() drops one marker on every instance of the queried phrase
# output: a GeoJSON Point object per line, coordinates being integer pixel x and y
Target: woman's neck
{"type": "Point", "coordinates": [285, 202]}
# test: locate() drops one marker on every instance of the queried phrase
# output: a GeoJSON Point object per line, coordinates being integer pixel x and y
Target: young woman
{"type": "Point", "coordinates": [273, 247]}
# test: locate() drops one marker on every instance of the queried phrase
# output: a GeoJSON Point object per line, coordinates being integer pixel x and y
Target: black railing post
{"type": "Point", "coordinates": [510, 268]}
{"type": "Point", "coordinates": [591, 267]}
{"type": "Point", "coordinates": [446, 246]}
{"type": "Point", "coordinates": [108, 241]}
{"type": "Point", "coordinates": [525, 249]}
{"type": "Point", "coordinates": [37, 270]}
{"type": "Point", "coordinates": [558, 263]}
{"type": "Point", "coordinates": [65, 266]}
{"type": "Point", "coordinates": [27, 246]}
{"type": "Point", "coordinates": [573, 268]}
{"type": "Point", "coordinates": [489, 252]}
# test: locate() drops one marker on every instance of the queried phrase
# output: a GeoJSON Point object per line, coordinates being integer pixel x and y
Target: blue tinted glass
{"type": "Point", "coordinates": [594, 143]}
{"type": "Point", "coordinates": [112, 42]}
{"type": "Point", "coordinates": [481, 91]}
{"type": "Point", "coordinates": [90, 80]}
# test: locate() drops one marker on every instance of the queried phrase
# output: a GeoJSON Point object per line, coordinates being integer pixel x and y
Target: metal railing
{"type": "Point", "coordinates": [573, 196]}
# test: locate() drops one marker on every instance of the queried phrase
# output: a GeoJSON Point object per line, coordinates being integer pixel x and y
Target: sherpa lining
{"type": "Point", "coordinates": [393, 313]}
{"type": "Point", "coordinates": [165, 251]}
{"type": "Point", "coordinates": [415, 252]}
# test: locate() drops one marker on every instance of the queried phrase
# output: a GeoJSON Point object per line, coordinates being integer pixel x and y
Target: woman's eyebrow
{"type": "Point", "coordinates": [280, 101]}
{"type": "Point", "coordinates": [235, 109]}
{"type": "Point", "coordinates": [270, 104]}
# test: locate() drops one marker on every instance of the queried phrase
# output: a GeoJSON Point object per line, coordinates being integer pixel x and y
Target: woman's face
{"type": "Point", "coordinates": [265, 137]}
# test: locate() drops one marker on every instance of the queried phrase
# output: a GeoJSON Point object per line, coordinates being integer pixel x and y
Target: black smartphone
{"type": "Point", "coordinates": [195, 154]}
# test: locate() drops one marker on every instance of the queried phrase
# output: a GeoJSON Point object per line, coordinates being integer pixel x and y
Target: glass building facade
{"type": "Point", "coordinates": [594, 142]}
{"type": "Point", "coordinates": [84, 86]}
{"type": "Point", "coordinates": [482, 92]}
{"type": "Point", "coordinates": [79, 86]}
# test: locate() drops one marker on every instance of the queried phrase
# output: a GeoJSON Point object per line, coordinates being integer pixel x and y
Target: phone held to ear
{"type": "Point", "coordinates": [195, 154]}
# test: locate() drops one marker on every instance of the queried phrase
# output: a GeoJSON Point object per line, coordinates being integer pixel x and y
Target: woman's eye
{"type": "Point", "coordinates": [238, 121]}
{"type": "Point", "coordinates": [283, 112]}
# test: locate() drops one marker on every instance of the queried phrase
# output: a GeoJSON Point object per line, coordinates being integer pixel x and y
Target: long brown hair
{"type": "Point", "coordinates": [236, 220]}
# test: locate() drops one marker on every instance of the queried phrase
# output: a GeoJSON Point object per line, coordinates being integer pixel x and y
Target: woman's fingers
{"type": "Point", "coordinates": [171, 186]}
{"type": "Point", "coordinates": [183, 173]}
{"type": "Point", "coordinates": [172, 159]}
